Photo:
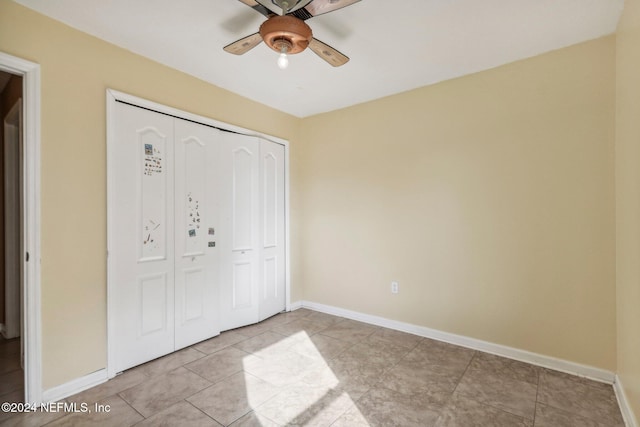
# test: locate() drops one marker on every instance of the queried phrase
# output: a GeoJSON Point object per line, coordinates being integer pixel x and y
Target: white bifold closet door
{"type": "Point", "coordinates": [165, 273]}
{"type": "Point", "coordinates": [197, 233]}
{"type": "Point", "coordinates": [197, 203]}
{"type": "Point", "coordinates": [142, 239]}
{"type": "Point", "coordinates": [252, 214]}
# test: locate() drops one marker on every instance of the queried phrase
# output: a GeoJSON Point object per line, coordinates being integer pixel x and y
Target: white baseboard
{"type": "Point", "coordinates": [627, 413]}
{"type": "Point", "coordinates": [566, 366]}
{"type": "Point", "coordinates": [295, 305]}
{"type": "Point", "coordinates": [75, 386]}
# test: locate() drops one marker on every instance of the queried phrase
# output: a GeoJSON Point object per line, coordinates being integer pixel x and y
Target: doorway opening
{"type": "Point", "coordinates": [12, 238]}
{"type": "Point", "coordinates": [20, 314]}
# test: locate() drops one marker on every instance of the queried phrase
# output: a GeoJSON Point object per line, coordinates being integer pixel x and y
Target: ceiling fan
{"type": "Point", "coordinates": [286, 31]}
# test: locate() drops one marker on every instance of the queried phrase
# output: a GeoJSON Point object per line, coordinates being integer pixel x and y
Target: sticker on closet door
{"type": "Point", "coordinates": [193, 227]}
{"type": "Point", "coordinates": [193, 219]}
{"type": "Point", "coordinates": [194, 167]}
{"type": "Point", "coordinates": [152, 160]}
{"type": "Point", "coordinates": [153, 195]}
{"type": "Point", "coordinates": [150, 230]}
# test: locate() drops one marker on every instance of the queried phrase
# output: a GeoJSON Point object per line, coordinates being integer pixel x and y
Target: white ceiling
{"type": "Point", "coordinates": [394, 45]}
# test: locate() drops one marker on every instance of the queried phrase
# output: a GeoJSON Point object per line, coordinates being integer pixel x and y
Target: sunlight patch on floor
{"type": "Point", "coordinates": [309, 391]}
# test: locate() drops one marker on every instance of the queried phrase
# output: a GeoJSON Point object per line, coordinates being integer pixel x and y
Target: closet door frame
{"type": "Point", "coordinates": [112, 98]}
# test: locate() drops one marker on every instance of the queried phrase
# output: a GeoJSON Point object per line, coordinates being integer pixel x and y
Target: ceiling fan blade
{"type": "Point", "coordinates": [243, 45]}
{"type": "Point", "coordinates": [318, 7]}
{"type": "Point", "coordinates": [328, 53]}
{"type": "Point", "coordinates": [278, 6]}
{"type": "Point", "coordinates": [269, 4]}
{"type": "Point", "coordinates": [299, 5]}
{"type": "Point", "coordinates": [253, 4]}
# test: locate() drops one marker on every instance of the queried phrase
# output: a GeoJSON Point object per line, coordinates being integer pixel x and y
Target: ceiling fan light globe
{"type": "Point", "coordinates": [283, 61]}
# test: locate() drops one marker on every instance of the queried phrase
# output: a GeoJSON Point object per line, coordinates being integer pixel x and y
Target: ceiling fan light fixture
{"type": "Point", "coordinates": [287, 33]}
{"type": "Point", "coordinates": [286, 29]}
{"type": "Point", "coordinates": [285, 46]}
{"type": "Point", "coordinates": [283, 61]}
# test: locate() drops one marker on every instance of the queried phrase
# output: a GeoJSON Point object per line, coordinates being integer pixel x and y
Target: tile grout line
{"type": "Point", "coordinates": [205, 414]}
{"type": "Point", "coordinates": [535, 410]}
{"type": "Point", "coordinates": [475, 352]}
{"type": "Point", "coordinates": [134, 409]}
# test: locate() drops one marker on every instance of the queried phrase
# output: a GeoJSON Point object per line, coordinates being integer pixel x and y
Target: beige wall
{"type": "Point", "coordinates": [76, 71]}
{"type": "Point", "coordinates": [628, 200]}
{"type": "Point", "coordinates": [490, 198]}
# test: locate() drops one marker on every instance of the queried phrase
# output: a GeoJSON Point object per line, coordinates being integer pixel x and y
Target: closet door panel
{"type": "Point", "coordinates": [243, 198]}
{"type": "Point", "coordinates": [197, 261]}
{"type": "Point", "coordinates": [239, 237]}
{"type": "Point", "coordinates": [242, 285]}
{"type": "Point", "coordinates": [272, 242]}
{"type": "Point", "coordinates": [152, 293]}
{"type": "Point", "coordinates": [142, 236]}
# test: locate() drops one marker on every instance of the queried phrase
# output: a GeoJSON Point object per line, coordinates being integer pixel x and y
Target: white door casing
{"type": "Point", "coordinates": [31, 308]}
{"type": "Point", "coordinates": [197, 293]}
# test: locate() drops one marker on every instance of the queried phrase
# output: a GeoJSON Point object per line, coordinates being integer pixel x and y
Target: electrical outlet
{"type": "Point", "coordinates": [394, 287]}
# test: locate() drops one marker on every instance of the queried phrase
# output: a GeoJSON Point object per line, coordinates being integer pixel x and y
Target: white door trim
{"type": "Point", "coordinates": [287, 234]}
{"type": "Point", "coordinates": [30, 73]}
{"type": "Point", "coordinates": [114, 96]}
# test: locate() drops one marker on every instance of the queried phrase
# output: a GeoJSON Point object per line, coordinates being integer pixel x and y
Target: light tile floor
{"type": "Point", "coordinates": [312, 369]}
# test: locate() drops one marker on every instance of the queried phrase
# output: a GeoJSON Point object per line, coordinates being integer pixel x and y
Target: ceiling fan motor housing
{"type": "Point", "coordinates": [286, 32]}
